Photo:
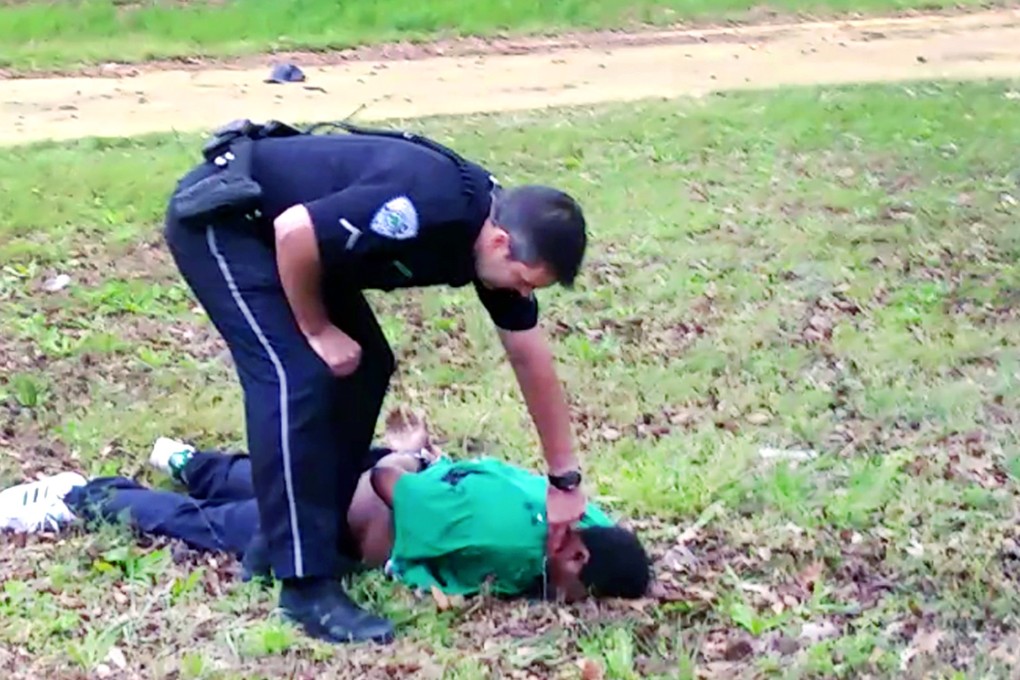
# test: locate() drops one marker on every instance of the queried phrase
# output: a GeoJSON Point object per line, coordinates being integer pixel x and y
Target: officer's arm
{"type": "Point", "coordinates": [532, 361]}
{"type": "Point", "coordinates": [299, 264]}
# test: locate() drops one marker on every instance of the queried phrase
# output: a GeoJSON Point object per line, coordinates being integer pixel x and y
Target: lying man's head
{"type": "Point", "coordinates": [600, 561]}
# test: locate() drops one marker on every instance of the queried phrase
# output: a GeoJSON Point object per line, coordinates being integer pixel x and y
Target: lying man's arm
{"type": "Point", "coordinates": [384, 480]}
{"type": "Point", "coordinates": [370, 515]}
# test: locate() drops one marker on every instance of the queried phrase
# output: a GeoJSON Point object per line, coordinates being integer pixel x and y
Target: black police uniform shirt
{"type": "Point", "coordinates": [388, 213]}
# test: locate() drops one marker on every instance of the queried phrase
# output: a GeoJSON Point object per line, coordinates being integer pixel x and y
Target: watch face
{"type": "Point", "coordinates": [566, 481]}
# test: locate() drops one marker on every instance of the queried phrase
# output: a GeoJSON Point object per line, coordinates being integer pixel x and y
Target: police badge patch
{"type": "Point", "coordinates": [396, 219]}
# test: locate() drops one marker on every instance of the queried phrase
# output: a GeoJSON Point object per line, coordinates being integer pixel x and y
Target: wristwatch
{"type": "Point", "coordinates": [568, 481]}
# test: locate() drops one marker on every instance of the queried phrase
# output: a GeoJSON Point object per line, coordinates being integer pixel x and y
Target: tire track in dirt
{"type": "Point", "coordinates": [663, 64]}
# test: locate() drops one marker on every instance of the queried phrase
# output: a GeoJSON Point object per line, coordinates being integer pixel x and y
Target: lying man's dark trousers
{"type": "Point", "coordinates": [219, 511]}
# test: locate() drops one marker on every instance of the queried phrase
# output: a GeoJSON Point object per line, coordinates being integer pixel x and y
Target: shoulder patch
{"type": "Point", "coordinates": [397, 219]}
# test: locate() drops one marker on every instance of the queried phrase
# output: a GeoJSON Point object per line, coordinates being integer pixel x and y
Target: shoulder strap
{"type": "Point", "coordinates": [394, 134]}
{"type": "Point", "coordinates": [244, 129]}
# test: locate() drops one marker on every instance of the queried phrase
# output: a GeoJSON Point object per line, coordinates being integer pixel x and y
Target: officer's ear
{"type": "Point", "coordinates": [499, 239]}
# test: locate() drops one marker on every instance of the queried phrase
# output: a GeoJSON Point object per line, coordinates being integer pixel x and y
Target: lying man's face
{"type": "Point", "coordinates": [565, 567]}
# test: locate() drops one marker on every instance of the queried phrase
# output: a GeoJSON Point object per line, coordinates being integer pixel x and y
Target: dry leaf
{"type": "Point", "coordinates": [590, 670]}
{"type": "Point", "coordinates": [442, 601]}
{"type": "Point", "coordinates": [116, 657]}
{"type": "Point", "coordinates": [679, 558]}
{"type": "Point", "coordinates": [815, 632]}
{"type": "Point", "coordinates": [810, 575]}
{"type": "Point", "coordinates": [787, 645]}
{"type": "Point", "coordinates": [927, 642]}
{"type": "Point", "coordinates": [58, 282]}
{"type": "Point", "coordinates": [1005, 652]}
{"type": "Point", "coordinates": [924, 642]}
{"type": "Point", "coordinates": [770, 453]}
{"type": "Point", "coordinates": [820, 323]}
{"type": "Point", "coordinates": [738, 650]}
{"type": "Point", "coordinates": [764, 591]}
{"type": "Point", "coordinates": [681, 418]}
{"type": "Point", "coordinates": [610, 435]}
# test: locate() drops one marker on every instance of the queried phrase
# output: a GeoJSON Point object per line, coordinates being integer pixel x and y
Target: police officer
{"type": "Point", "coordinates": [278, 236]}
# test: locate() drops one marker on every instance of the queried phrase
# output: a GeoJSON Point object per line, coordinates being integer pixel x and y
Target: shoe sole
{"type": "Point", "coordinates": [319, 633]}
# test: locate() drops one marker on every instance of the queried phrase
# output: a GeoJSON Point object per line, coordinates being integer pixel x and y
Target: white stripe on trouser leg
{"type": "Point", "coordinates": [281, 377]}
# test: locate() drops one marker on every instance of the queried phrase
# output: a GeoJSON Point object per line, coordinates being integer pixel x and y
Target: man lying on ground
{"type": "Point", "coordinates": [460, 526]}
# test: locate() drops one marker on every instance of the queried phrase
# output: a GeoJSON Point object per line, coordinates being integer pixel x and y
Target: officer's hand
{"type": "Point", "coordinates": [340, 352]}
{"type": "Point", "coordinates": [562, 510]}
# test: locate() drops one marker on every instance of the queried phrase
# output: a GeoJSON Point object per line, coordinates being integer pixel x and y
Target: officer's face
{"type": "Point", "coordinates": [498, 269]}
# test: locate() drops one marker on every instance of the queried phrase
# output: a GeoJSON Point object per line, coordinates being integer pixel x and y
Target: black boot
{"type": "Point", "coordinates": [326, 612]}
{"type": "Point", "coordinates": [255, 564]}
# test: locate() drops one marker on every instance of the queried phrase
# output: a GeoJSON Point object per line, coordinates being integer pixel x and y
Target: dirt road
{"type": "Point", "coordinates": [661, 64]}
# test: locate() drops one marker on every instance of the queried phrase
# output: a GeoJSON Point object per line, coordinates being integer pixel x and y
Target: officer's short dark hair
{"type": "Point", "coordinates": [618, 565]}
{"type": "Point", "coordinates": [546, 226]}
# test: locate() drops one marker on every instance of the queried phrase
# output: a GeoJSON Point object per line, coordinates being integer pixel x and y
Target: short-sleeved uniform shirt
{"type": "Point", "coordinates": [388, 213]}
{"type": "Point", "coordinates": [467, 525]}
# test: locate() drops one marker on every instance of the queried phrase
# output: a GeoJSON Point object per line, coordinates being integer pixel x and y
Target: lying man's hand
{"type": "Point", "coordinates": [406, 430]}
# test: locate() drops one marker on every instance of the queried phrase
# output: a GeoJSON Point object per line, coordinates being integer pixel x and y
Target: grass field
{"type": "Point", "coordinates": [61, 34]}
{"type": "Point", "coordinates": [827, 269]}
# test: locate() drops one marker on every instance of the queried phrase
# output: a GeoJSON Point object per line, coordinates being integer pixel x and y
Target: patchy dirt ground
{"type": "Point", "coordinates": [513, 75]}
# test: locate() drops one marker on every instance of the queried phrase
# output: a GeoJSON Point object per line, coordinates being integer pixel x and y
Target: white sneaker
{"type": "Point", "coordinates": [38, 506]}
{"type": "Point", "coordinates": [163, 449]}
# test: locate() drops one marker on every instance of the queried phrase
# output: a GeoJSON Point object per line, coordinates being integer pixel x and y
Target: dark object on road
{"type": "Point", "coordinates": [285, 73]}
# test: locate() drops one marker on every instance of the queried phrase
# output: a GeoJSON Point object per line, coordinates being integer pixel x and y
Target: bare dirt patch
{"type": "Point", "coordinates": [524, 74]}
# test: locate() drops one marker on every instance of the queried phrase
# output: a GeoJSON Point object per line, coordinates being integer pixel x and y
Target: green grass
{"type": "Point", "coordinates": [834, 269]}
{"type": "Point", "coordinates": [43, 35]}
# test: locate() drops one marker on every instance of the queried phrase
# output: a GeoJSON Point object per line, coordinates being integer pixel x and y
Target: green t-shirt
{"type": "Point", "coordinates": [459, 525]}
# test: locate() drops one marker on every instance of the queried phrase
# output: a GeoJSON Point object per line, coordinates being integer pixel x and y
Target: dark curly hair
{"type": "Point", "coordinates": [618, 565]}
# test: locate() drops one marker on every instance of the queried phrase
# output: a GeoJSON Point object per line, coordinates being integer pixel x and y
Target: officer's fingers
{"type": "Point", "coordinates": [348, 365]}
{"type": "Point", "coordinates": [555, 537]}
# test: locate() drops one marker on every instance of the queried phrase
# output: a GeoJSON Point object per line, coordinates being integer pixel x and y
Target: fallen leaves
{"type": "Point", "coordinates": [611, 434]}
{"type": "Point", "coordinates": [591, 670]}
{"type": "Point", "coordinates": [57, 283]}
{"type": "Point", "coordinates": [116, 657]}
{"type": "Point", "coordinates": [440, 598]}
{"type": "Point", "coordinates": [595, 426]}
{"type": "Point", "coordinates": [924, 643]}
{"type": "Point", "coordinates": [810, 575]}
{"type": "Point", "coordinates": [968, 458]}
{"type": "Point", "coordinates": [814, 632]}
{"type": "Point", "coordinates": [824, 314]}
{"type": "Point", "coordinates": [737, 650]}
{"type": "Point", "coordinates": [768, 453]}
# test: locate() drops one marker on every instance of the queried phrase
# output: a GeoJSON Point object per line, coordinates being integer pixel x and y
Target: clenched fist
{"type": "Point", "coordinates": [340, 352]}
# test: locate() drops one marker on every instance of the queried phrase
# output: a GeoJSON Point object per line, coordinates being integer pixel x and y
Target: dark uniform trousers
{"type": "Point", "coordinates": [218, 512]}
{"type": "Point", "coordinates": [307, 430]}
